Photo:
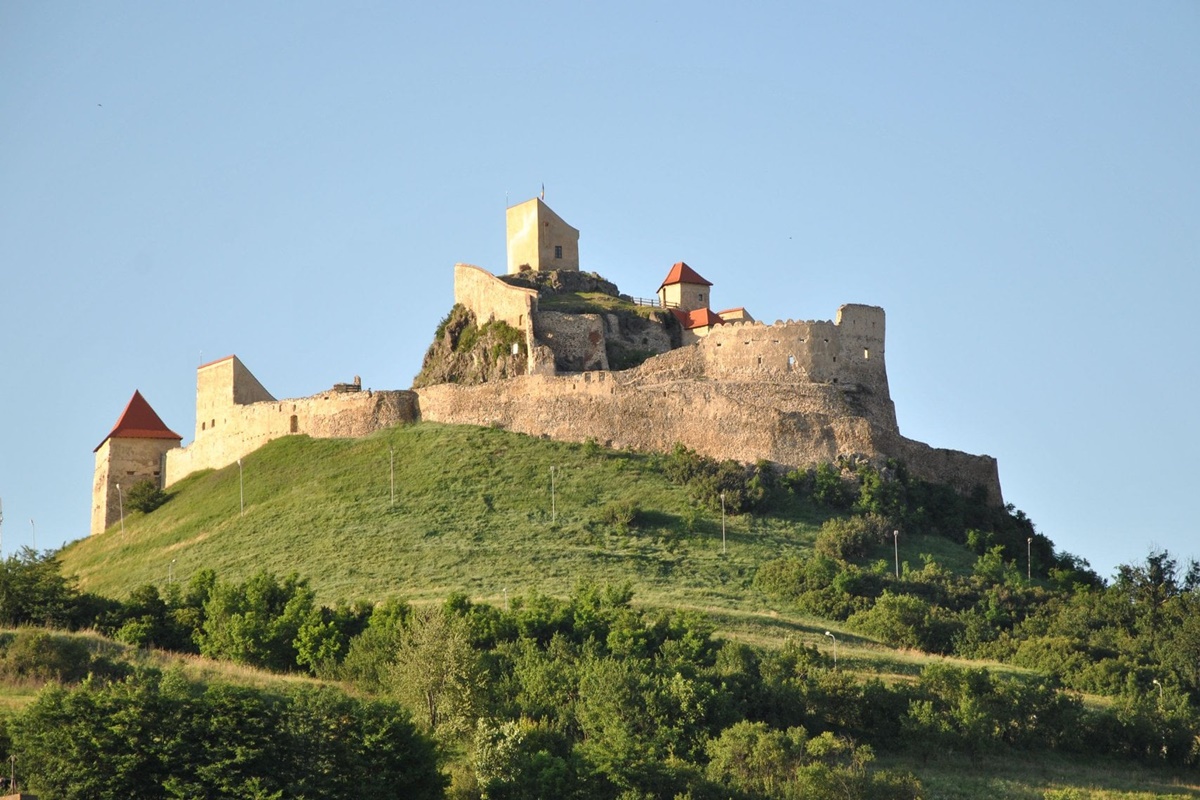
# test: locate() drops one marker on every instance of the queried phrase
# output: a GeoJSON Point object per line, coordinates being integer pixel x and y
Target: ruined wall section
{"type": "Point", "coordinates": [488, 298]}
{"type": "Point", "coordinates": [124, 461]}
{"type": "Point", "coordinates": [577, 340]}
{"type": "Point", "coordinates": [242, 429]}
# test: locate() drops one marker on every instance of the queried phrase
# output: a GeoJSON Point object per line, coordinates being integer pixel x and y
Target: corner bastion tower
{"type": "Point", "coordinates": [135, 450]}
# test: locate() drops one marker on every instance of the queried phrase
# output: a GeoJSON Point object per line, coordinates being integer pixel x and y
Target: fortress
{"type": "Point", "coordinates": [796, 393]}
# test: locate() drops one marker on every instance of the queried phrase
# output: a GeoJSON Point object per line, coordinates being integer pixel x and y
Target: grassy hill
{"type": "Point", "coordinates": [473, 513]}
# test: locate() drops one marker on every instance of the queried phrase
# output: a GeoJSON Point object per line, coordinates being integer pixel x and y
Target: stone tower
{"type": "Point", "coordinates": [132, 452]}
{"type": "Point", "coordinates": [539, 239]}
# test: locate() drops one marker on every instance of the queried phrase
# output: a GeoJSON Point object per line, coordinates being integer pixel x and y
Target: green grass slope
{"type": "Point", "coordinates": [473, 513]}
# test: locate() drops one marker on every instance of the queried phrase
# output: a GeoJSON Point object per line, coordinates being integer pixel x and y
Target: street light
{"type": "Point", "coordinates": [553, 502]}
{"type": "Point", "coordinates": [831, 636]}
{"type": "Point", "coordinates": [896, 539]}
{"type": "Point", "coordinates": [1029, 559]}
{"type": "Point", "coordinates": [722, 523]}
{"type": "Point", "coordinates": [241, 491]}
{"type": "Point", "coordinates": [121, 505]}
{"type": "Point", "coordinates": [171, 572]}
{"type": "Point", "coordinates": [392, 454]}
{"type": "Point", "coordinates": [1160, 693]}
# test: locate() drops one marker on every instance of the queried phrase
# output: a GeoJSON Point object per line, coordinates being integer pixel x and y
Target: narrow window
{"type": "Point", "coordinates": [701, 296]}
{"type": "Point", "coordinates": [203, 426]}
{"type": "Point", "coordinates": [866, 353]}
{"type": "Point", "coordinates": [791, 362]}
{"type": "Point", "coordinates": [558, 251]}
{"type": "Point", "coordinates": [212, 424]}
{"type": "Point", "coordinates": [294, 426]}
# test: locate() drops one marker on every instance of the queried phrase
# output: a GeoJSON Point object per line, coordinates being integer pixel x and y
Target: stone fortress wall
{"type": "Point", "coordinates": [235, 416]}
{"type": "Point", "coordinates": [795, 393]}
{"type": "Point", "coordinates": [798, 393]}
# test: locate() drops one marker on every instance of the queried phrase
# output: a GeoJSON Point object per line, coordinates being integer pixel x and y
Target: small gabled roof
{"type": "Point", "coordinates": [700, 318]}
{"type": "Point", "coordinates": [139, 421]}
{"type": "Point", "coordinates": [682, 273]}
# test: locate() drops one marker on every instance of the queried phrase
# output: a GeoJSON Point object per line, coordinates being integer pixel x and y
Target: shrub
{"type": "Point", "coordinates": [41, 656]}
{"type": "Point", "coordinates": [853, 538]}
{"type": "Point", "coordinates": [620, 513]}
{"type": "Point", "coordinates": [145, 496]}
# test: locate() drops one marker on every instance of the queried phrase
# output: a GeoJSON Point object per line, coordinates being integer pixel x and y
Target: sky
{"type": "Point", "coordinates": [1016, 183]}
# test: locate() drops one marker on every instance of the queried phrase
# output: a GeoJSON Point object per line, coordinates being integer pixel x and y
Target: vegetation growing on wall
{"type": "Point", "coordinates": [465, 352]}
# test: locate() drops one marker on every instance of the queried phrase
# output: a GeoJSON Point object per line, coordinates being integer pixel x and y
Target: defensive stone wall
{"type": "Point", "coordinates": [234, 423]}
{"type": "Point", "coordinates": [796, 393]}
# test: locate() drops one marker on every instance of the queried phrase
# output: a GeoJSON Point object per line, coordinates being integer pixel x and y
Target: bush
{"type": "Point", "coordinates": [145, 496]}
{"type": "Point", "coordinates": [744, 488]}
{"type": "Point", "coordinates": [621, 514]}
{"type": "Point", "coordinates": [853, 538]}
{"type": "Point", "coordinates": [41, 656]}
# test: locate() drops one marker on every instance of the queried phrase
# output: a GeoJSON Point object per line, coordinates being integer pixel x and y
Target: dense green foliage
{"type": "Point", "coordinates": [578, 692]}
{"type": "Point", "coordinates": [155, 736]}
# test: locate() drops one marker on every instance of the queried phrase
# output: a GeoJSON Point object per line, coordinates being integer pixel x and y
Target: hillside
{"type": "Point", "coordinates": [473, 513]}
{"type": "Point", "coordinates": [478, 511]}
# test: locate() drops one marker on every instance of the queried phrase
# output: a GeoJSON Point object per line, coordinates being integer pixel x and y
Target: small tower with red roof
{"type": "Point", "coordinates": [684, 289]}
{"type": "Point", "coordinates": [132, 452]}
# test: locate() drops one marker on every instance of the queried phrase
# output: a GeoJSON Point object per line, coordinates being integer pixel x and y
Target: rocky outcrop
{"type": "Point", "coordinates": [468, 353]}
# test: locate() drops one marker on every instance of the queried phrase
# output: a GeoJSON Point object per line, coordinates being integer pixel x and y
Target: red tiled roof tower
{"type": "Point", "coordinates": [139, 421]}
{"type": "Point", "coordinates": [682, 273]}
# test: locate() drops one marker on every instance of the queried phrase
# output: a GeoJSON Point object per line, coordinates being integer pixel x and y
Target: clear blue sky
{"type": "Point", "coordinates": [1017, 184]}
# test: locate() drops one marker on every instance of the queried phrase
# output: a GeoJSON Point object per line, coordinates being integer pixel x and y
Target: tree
{"type": "Point", "coordinates": [145, 496]}
{"type": "Point", "coordinates": [437, 673]}
{"type": "Point", "coordinates": [256, 622]}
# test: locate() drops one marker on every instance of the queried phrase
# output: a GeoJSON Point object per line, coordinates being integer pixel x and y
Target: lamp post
{"type": "Point", "coordinates": [831, 636]}
{"type": "Point", "coordinates": [171, 572]}
{"type": "Point", "coordinates": [722, 523]}
{"type": "Point", "coordinates": [241, 491]}
{"type": "Point", "coordinates": [553, 500]}
{"type": "Point", "coordinates": [896, 540]}
{"type": "Point", "coordinates": [1029, 559]}
{"type": "Point", "coordinates": [392, 455]}
{"type": "Point", "coordinates": [121, 506]}
{"type": "Point", "coordinates": [34, 527]}
{"type": "Point", "coordinates": [1160, 692]}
